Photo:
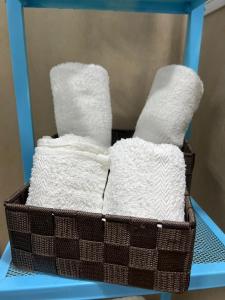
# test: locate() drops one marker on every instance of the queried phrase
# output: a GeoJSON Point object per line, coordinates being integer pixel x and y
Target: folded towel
{"type": "Point", "coordinates": [146, 180]}
{"type": "Point", "coordinates": [69, 172]}
{"type": "Point", "coordinates": [174, 97]}
{"type": "Point", "coordinates": [82, 101]}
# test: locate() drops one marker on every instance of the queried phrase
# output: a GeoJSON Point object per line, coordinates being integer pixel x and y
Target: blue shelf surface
{"type": "Point", "coordinates": [163, 6]}
{"type": "Point", "coordinates": [208, 271]}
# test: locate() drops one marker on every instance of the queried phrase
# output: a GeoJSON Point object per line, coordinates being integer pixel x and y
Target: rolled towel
{"type": "Point", "coordinates": [146, 180]}
{"type": "Point", "coordinates": [174, 97]}
{"type": "Point", "coordinates": [69, 172]}
{"type": "Point", "coordinates": [82, 101]}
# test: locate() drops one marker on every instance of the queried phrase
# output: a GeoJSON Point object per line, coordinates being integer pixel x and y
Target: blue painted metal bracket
{"type": "Point", "coordinates": [21, 83]}
{"type": "Point", "coordinates": [207, 276]}
{"type": "Point", "coordinates": [155, 6]}
{"type": "Point", "coordinates": [194, 38]}
{"type": "Point", "coordinates": [5, 262]}
{"type": "Point", "coordinates": [193, 42]}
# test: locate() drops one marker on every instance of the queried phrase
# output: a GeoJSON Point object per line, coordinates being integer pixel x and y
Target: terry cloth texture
{"type": "Point", "coordinates": [82, 101]}
{"type": "Point", "coordinates": [69, 172]}
{"type": "Point", "coordinates": [174, 97]}
{"type": "Point", "coordinates": [146, 180]}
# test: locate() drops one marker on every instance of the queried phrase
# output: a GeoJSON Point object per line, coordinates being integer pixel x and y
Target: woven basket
{"type": "Point", "coordinates": [122, 250]}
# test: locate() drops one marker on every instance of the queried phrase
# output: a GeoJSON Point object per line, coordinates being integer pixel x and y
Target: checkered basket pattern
{"type": "Point", "coordinates": [129, 251]}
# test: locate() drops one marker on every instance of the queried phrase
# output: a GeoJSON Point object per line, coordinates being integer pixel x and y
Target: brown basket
{"type": "Point", "coordinates": [122, 250]}
{"type": "Point", "coordinates": [129, 251]}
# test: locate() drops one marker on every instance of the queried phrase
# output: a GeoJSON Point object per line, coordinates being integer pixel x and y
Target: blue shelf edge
{"type": "Point", "coordinates": [155, 6]}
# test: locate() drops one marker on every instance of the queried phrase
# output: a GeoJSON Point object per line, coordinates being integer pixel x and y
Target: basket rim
{"type": "Point", "coordinates": [189, 222]}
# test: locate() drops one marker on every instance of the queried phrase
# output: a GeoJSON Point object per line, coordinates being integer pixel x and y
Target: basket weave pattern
{"type": "Point", "coordinates": [122, 250]}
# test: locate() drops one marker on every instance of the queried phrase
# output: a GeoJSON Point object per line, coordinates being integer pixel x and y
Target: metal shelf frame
{"type": "Point", "coordinates": [46, 287]}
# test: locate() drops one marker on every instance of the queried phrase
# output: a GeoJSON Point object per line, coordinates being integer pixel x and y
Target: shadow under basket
{"type": "Point", "coordinates": [132, 251]}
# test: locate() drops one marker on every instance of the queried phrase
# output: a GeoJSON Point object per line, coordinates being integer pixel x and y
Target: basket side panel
{"type": "Point", "coordinates": [119, 250]}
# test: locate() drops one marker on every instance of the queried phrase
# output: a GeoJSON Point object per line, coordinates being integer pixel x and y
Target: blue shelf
{"type": "Point", "coordinates": [162, 6]}
{"type": "Point", "coordinates": [208, 271]}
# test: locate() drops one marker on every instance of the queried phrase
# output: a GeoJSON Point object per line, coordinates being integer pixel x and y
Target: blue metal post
{"type": "Point", "coordinates": [21, 82]}
{"type": "Point", "coordinates": [193, 42]}
{"type": "Point", "coordinates": [194, 37]}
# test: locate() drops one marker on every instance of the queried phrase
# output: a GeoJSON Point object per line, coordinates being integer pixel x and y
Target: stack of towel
{"type": "Point", "coordinates": [147, 175]}
{"type": "Point", "coordinates": [147, 172]}
{"type": "Point", "coordinates": [69, 173]}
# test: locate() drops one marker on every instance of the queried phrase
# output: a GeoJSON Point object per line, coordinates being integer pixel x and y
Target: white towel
{"type": "Point", "coordinates": [69, 172]}
{"type": "Point", "coordinates": [146, 180]}
{"type": "Point", "coordinates": [82, 102]}
{"type": "Point", "coordinates": [174, 97]}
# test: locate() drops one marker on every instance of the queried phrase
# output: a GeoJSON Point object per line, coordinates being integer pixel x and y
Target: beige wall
{"type": "Point", "coordinates": [209, 123]}
{"type": "Point", "coordinates": [131, 47]}
{"type": "Point", "coordinates": [112, 40]}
